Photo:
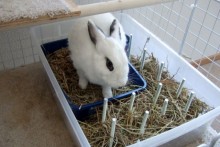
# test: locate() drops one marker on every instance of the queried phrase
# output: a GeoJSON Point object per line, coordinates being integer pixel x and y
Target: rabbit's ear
{"type": "Point", "coordinates": [95, 33]}
{"type": "Point", "coordinates": [115, 31]}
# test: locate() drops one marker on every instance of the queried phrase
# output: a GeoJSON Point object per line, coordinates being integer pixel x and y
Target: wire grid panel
{"type": "Point", "coordinates": [191, 28]}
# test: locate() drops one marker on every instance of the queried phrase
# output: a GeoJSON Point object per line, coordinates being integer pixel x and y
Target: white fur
{"type": "Point", "coordinates": [89, 58]}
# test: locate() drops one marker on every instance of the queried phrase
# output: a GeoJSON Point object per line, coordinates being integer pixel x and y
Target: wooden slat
{"type": "Point", "coordinates": [205, 60]}
{"type": "Point", "coordinates": [74, 11]}
{"type": "Point", "coordinates": [116, 5]}
{"type": "Point", "coordinates": [84, 10]}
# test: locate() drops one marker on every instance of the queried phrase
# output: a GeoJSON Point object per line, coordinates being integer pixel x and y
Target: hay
{"type": "Point", "coordinates": [128, 124]}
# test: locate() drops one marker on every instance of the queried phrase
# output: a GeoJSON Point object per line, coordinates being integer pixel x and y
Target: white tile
{"type": "Point", "coordinates": [3, 37]}
{"type": "Point", "coordinates": [147, 23]}
{"type": "Point", "coordinates": [163, 23]}
{"type": "Point", "coordinates": [37, 35]}
{"type": "Point", "coordinates": [36, 58]}
{"type": "Point", "coordinates": [17, 54]}
{"type": "Point", "coordinates": [26, 43]}
{"type": "Point", "coordinates": [191, 39]}
{"type": "Point", "coordinates": [27, 52]}
{"type": "Point", "coordinates": [4, 47]}
{"type": "Point", "coordinates": [210, 51]}
{"type": "Point", "coordinates": [217, 28]}
{"type": "Point", "coordinates": [178, 34]}
{"type": "Point", "coordinates": [19, 62]}
{"type": "Point", "coordinates": [195, 27]}
{"type": "Point", "coordinates": [156, 18]}
{"type": "Point", "coordinates": [15, 45]}
{"type": "Point", "coordinates": [214, 40]}
{"type": "Point", "coordinates": [182, 24]}
{"type": "Point", "coordinates": [13, 36]}
{"type": "Point", "coordinates": [200, 45]}
{"type": "Point", "coordinates": [158, 8]}
{"type": "Point", "coordinates": [174, 18]}
{"type": "Point", "coordinates": [35, 50]}
{"type": "Point", "coordinates": [33, 41]}
{"type": "Point", "coordinates": [203, 4]}
{"type": "Point", "coordinates": [186, 11]}
{"type": "Point", "coordinates": [187, 50]}
{"type": "Point", "coordinates": [209, 21]}
{"type": "Point", "coordinates": [199, 15]}
{"type": "Point", "coordinates": [7, 56]}
{"type": "Point", "coordinates": [165, 12]}
{"type": "Point", "coordinates": [149, 13]}
{"type": "Point", "coordinates": [29, 60]}
{"type": "Point", "coordinates": [214, 7]}
{"type": "Point", "coordinates": [170, 28]}
{"type": "Point", "coordinates": [204, 33]}
{"type": "Point", "coordinates": [24, 33]}
{"type": "Point", "coordinates": [177, 7]}
{"type": "Point", "coordinates": [9, 64]}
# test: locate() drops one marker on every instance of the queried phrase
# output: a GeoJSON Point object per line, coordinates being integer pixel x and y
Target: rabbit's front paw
{"type": "Point", "coordinates": [107, 92]}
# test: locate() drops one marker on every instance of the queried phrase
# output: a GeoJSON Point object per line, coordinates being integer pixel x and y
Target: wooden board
{"type": "Point", "coordinates": [205, 60]}
{"type": "Point", "coordinates": [74, 11]}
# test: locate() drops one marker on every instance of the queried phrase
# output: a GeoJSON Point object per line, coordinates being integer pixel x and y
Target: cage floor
{"type": "Point", "coordinates": [29, 114]}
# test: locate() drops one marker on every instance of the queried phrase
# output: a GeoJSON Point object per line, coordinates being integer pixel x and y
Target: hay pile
{"type": "Point", "coordinates": [128, 124]}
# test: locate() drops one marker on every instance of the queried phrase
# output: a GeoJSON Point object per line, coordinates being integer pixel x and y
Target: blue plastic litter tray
{"type": "Point", "coordinates": [83, 111]}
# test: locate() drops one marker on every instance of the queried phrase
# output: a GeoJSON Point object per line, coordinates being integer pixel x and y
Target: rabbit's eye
{"type": "Point", "coordinates": [109, 64]}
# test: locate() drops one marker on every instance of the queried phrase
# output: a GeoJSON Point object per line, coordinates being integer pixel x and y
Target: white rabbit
{"type": "Point", "coordinates": [97, 49]}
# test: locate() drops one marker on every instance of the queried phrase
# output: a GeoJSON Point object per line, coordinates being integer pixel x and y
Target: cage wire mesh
{"type": "Point", "coordinates": [191, 28]}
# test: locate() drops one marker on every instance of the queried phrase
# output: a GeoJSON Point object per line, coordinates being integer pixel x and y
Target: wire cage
{"type": "Point", "coordinates": [190, 28]}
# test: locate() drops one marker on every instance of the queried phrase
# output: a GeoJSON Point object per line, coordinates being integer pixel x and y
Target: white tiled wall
{"type": "Point", "coordinates": [16, 48]}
